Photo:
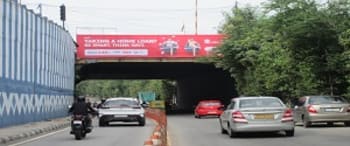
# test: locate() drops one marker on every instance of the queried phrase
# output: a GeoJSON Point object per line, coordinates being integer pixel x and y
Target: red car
{"type": "Point", "coordinates": [208, 108]}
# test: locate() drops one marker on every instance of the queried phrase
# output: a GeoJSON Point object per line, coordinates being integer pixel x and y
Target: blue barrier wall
{"type": "Point", "coordinates": [36, 66]}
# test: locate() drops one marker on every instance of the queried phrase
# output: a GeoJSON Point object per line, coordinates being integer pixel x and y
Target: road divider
{"type": "Point", "coordinates": [159, 134]}
{"type": "Point", "coordinates": [148, 143]}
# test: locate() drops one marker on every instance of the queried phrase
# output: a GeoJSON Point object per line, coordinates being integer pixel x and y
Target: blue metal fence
{"type": "Point", "coordinates": [36, 66]}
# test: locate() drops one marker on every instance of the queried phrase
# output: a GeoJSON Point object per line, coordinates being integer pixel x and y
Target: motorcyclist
{"type": "Point", "coordinates": [103, 100]}
{"type": "Point", "coordinates": [81, 107]}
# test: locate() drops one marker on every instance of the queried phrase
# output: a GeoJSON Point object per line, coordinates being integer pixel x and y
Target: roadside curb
{"type": "Point", "coordinates": [34, 132]}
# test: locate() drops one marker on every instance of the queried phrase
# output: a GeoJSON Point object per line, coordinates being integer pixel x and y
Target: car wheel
{"type": "Point", "coordinates": [223, 131]}
{"type": "Point", "coordinates": [329, 123]}
{"type": "Point", "coordinates": [142, 122]}
{"type": "Point", "coordinates": [101, 123]}
{"type": "Point", "coordinates": [306, 123]}
{"type": "Point", "coordinates": [196, 116]}
{"type": "Point", "coordinates": [290, 133]}
{"type": "Point", "coordinates": [231, 133]}
{"type": "Point", "coordinates": [199, 116]}
{"type": "Point", "coordinates": [347, 124]}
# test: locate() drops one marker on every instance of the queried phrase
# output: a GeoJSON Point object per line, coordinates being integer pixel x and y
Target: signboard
{"type": "Point", "coordinates": [157, 104]}
{"type": "Point", "coordinates": [146, 46]}
{"type": "Point", "coordinates": [147, 96]}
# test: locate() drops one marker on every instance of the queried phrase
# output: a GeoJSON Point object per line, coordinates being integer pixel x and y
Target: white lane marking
{"type": "Point", "coordinates": [39, 137]}
{"type": "Point", "coordinates": [168, 138]}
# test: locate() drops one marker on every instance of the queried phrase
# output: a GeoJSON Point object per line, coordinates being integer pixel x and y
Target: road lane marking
{"type": "Point", "coordinates": [168, 138]}
{"type": "Point", "coordinates": [39, 137]}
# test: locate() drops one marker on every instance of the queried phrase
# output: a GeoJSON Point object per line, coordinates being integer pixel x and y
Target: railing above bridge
{"type": "Point", "coordinates": [145, 48]}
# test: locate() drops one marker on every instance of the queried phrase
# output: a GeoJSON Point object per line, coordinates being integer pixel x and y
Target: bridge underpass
{"type": "Point", "coordinates": [195, 81]}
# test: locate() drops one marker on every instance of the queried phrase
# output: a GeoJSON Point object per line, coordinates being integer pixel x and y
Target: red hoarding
{"type": "Point", "coordinates": [146, 46]}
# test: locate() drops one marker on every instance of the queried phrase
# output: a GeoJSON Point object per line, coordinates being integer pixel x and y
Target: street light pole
{"type": "Point", "coordinates": [196, 18]}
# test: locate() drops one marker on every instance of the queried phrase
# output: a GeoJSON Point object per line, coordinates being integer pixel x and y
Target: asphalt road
{"type": "Point", "coordinates": [185, 130]}
{"type": "Point", "coordinates": [121, 134]}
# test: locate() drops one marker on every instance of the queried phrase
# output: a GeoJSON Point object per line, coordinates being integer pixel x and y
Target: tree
{"type": "Point", "coordinates": [296, 47]}
{"type": "Point", "coordinates": [125, 88]}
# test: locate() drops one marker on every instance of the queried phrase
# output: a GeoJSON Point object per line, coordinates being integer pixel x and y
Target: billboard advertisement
{"type": "Point", "coordinates": [146, 46]}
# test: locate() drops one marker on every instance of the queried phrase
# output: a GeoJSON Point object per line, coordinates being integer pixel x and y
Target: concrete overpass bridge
{"type": "Point", "coordinates": [195, 80]}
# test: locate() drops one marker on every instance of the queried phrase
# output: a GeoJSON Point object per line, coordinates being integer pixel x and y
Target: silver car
{"type": "Point", "coordinates": [256, 114]}
{"type": "Point", "coordinates": [325, 109]}
{"type": "Point", "coordinates": [121, 109]}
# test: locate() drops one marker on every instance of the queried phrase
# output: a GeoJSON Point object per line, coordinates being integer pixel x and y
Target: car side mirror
{"type": "Point", "coordinates": [144, 105]}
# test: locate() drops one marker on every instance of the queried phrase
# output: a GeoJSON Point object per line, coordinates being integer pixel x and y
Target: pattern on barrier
{"type": "Point", "coordinates": [22, 104]}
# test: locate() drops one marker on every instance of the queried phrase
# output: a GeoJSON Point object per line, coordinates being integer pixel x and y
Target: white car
{"type": "Point", "coordinates": [122, 109]}
{"type": "Point", "coordinates": [257, 114]}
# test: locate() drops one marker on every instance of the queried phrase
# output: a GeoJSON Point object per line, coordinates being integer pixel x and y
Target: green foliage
{"type": "Point", "coordinates": [297, 47]}
{"type": "Point", "coordinates": [125, 88]}
{"type": "Point", "coordinates": [345, 39]}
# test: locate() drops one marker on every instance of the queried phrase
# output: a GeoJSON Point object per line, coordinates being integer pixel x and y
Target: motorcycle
{"type": "Point", "coordinates": [79, 126]}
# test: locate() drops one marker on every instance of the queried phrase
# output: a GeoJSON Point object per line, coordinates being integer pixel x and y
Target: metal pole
{"type": "Point", "coordinates": [196, 18]}
{"type": "Point", "coordinates": [40, 7]}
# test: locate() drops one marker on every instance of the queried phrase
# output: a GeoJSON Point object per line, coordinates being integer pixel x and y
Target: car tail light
{"type": "Point", "coordinates": [238, 117]}
{"type": "Point", "coordinates": [200, 108]}
{"type": "Point", "coordinates": [287, 116]}
{"type": "Point", "coordinates": [311, 109]}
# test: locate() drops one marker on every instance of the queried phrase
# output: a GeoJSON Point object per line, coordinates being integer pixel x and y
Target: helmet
{"type": "Point", "coordinates": [81, 98]}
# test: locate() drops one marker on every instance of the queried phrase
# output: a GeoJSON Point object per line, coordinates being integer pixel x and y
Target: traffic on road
{"type": "Point", "coordinates": [254, 120]}
{"type": "Point", "coordinates": [184, 130]}
{"type": "Point", "coordinates": [175, 73]}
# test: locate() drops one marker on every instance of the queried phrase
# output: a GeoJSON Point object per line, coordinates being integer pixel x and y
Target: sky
{"type": "Point", "coordinates": [138, 16]}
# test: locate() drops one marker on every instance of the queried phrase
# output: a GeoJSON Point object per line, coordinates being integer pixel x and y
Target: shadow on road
{"type": "Point", "coordinates": [324, 125]}
{"type": "Point", "coordinates": [122, 125]}
{"type": "Point", "coordinates": [260, 135]}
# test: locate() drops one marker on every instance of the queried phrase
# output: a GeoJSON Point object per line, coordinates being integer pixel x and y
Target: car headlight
{"type": "Point", "coordinates": [100, 114]}
{"type": "Point", "coordinates": [142, 114]}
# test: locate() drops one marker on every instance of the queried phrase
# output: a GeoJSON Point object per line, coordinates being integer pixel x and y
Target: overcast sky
{"type": "Point", "coordinates": [138, 16]}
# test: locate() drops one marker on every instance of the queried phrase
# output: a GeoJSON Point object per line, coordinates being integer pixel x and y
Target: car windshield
{"type": "Point", "coordinates": [256, 103]}
{"type": "Point", "coordinates": [210, 104]}
{"type": "Point", "coordinates": [118, 103]}
{"type": "Point", "coordinates": [327, 100]}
